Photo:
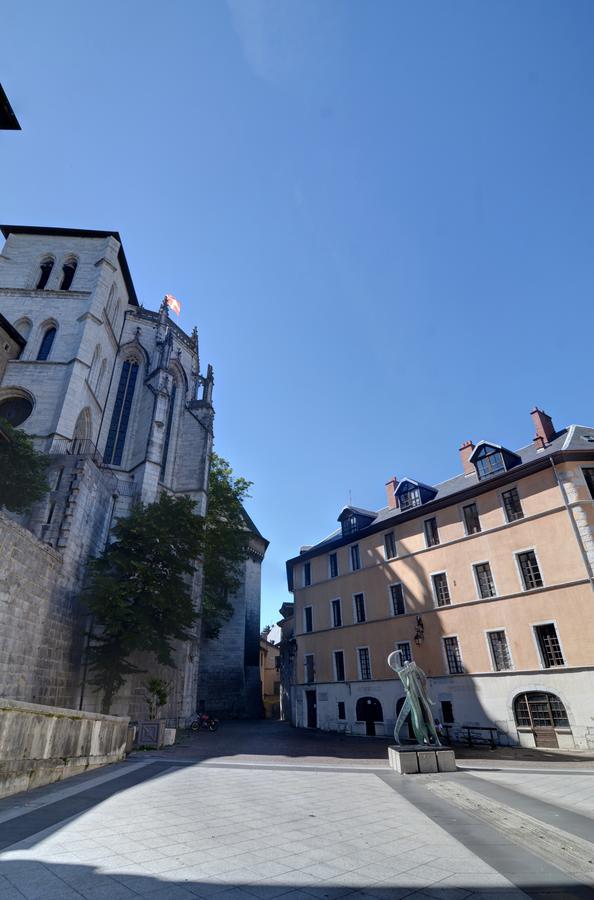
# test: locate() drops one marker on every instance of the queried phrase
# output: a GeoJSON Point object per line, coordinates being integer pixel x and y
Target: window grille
{"type": "Point", "coordinates": [500, 651]}
{"type": "Point", "coordinates": [512, 505]}
{"type": "Point", "coordinates": [540, 710]}
{"type": "Point", "coordinates": [453, 657]}
{"type": "Point", "coordinates": [484, 579]}
{"type": "Point", "coordinates": [397, 596]}
{"type": "Point", "coordinates": [431, 532]}
{"type": "Point", "coordinates": [409, 499]}
{"type": "Point", "coordinates": [471, 519]}
{"type": "Point", "coordinates": [364, 663]}
{"type": "Point", "coordinates": [531, 576]}
{"type": "Point", "coordinates": [442, 591]}
{"type": "Point", "coordinates": [489, 461]}
{"type": "Point", "coordinates": [406, 654]}
{"type": "Point", "coordinates": [550, 647]}
{"type": "Point", "coordinates": [360, 607]}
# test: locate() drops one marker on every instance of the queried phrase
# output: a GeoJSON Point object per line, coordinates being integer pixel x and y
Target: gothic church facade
{"type": "Point", "coordinates": [115, 394]}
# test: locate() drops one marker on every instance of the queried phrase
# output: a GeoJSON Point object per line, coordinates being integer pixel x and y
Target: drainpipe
{"type": "Point", "coordinates": [576, 530]}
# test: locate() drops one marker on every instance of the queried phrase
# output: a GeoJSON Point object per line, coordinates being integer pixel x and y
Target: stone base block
{"type": "Point", "coordinates": [421, 760]}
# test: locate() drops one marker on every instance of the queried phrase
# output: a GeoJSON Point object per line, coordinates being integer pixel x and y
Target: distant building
{"type": "Point", "coordinates": [11, 344]}
{"type": "Point", "coordinates": [485, 580]}
{"type": "Point", "coordinates": [270, 673]}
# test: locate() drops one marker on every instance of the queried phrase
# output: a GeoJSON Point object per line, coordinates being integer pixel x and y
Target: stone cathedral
{"type": "Point", "coordinates": [116, 395]}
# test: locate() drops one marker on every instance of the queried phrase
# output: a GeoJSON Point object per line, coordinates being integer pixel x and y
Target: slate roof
{"type": "Point", "coordinates": [574, 438]}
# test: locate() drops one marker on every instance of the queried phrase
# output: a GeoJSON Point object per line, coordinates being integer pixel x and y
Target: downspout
{"type": "Point", "coordinates": [576, 530]}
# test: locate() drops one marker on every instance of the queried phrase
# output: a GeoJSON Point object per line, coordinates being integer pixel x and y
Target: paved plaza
{"type": "Point", "coordinates": [305, 816]}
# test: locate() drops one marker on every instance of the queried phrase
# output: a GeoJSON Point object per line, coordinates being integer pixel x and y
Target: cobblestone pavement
{"type": "Point", "coordinates": [257, 826]}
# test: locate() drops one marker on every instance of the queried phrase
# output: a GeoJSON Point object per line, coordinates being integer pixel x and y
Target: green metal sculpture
{"type": "Point", "coordinates": [417, 702]}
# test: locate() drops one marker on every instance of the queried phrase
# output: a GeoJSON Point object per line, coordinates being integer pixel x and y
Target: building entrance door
{"type": "Point", "coordinates": [369, 710]}
{"type": "Point", "coordinates": [312, 715]}
{"type": "Point", "coordinates": [543, 714]}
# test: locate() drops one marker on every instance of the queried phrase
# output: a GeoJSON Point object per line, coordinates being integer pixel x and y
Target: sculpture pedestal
{"type": "Point", "coordinates": [420, 759]}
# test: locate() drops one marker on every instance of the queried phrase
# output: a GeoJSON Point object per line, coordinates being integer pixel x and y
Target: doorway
{"type": "Point", "coordinates": [543, 713]}
{"type": "Point", "coordinates": [312, 715]}
{"type": "Point", "coordinates": [369, 710]}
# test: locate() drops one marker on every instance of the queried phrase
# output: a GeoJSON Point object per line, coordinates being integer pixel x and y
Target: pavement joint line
{"type": "Point", "coordinates": [269, 765]}
{"type": "Point", "coordinates": [524, 770]}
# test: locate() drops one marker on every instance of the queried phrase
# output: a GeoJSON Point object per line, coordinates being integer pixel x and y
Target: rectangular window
{"type": "Point", "coordinates": [512, 506]}
{"type": "Point", "coordinates": [410, 499]}
{"type": "Point", "coordinates": [589, 476]}
{"type": "Point", "coordinates": [341, 710]}
{"type": "Point", "coordinates": [447, 712]}
{"type": "Point", "coordinates": [484, 580]}
{"type": "Point", "coordinates": [452, 649]}
{"type": "Point", "coordinates": [308, 618]}
{"type": "Point", "coordinates": [359, 607]}
{"type": "Point", "coordinates": [336, 613]}
{"type": "Point", "coordinates": [333, 563]}
{"type": "Point", "coordinates": [531, 577]}
{"type": "Point", "coordinates": [404, 647]}
{"type": "Point", "coordinates": [397, 598]}
{"type": "Point", "coordinates": [472, 523]}
{"type": "Point", "coordinates": [339, 665]}
{"type": "Point", "coordinates": [390, 545]}
{"type": "Point", "coordinates": [441, 589]}
{"type": "Point", "coordinates": [355, 558]}
{"type": "Point", "coordinates": [276, 689]}
{"type": "Point", "coordinates": [309, 668]}
{"type": "Point", "coordinates": [306, 574]}
{"type": "Point", "coordinates": [431, 532]}
{"type": "Point", "coordinates": [550, 648]}
{"type": "Point", "coordinates": [364, 663]}
{"type": "Point", "coordinates": [500, 651]}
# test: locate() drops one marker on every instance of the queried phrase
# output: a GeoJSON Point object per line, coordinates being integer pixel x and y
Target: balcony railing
{"type": "Point", "coordinates": [77, 447]}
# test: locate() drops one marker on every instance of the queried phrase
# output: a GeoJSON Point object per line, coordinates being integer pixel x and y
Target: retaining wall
{"type": "Point", "coordinates": [43, 744]}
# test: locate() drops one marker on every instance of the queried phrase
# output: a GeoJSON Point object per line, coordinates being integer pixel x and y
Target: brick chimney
{"type": "Point", "coordinates": [543, 424]}
{"type": "Point", "coordinates": [465, 454]}
{"type": "Point", "coordinates": [391, 486]}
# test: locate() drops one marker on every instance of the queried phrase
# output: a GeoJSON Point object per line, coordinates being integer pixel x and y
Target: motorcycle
{"type": "Point", "coordinates": [204, 721]}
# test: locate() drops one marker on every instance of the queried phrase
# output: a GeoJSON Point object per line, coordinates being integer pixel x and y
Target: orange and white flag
{"type": "Point", "coordinates": [173, 304]}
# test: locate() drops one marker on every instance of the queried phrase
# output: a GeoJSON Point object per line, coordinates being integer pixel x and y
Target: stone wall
{"type": "Point", "coordinates": [43, 744]}
{"type": "Point", "coordinates": [40, 624]}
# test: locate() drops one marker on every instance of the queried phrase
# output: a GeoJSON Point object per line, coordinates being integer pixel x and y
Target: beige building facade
{"type": "Point", "coordinates": [484, 580]}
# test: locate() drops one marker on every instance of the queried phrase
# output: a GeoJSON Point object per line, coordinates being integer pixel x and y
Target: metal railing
{"type": "Point", "coordinates": [77, 447]}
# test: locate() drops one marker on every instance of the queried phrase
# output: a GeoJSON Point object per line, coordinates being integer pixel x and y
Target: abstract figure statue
{"type": "Point", "coordinates": [417, 702]}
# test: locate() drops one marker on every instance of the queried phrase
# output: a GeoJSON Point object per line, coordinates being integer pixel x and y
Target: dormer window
{"type": "Point", "coordinates": [353, 519]}
{"type": "Point", "coordinates": [411, 498]}
{"type": "Point", "coordinates": [349, 525]}
{"type": "Point", "coordinates": [489, 461]}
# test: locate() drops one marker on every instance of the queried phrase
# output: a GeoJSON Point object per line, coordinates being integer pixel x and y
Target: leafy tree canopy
{"type": "Point", "coordinates": [226, 541]}
{"type": "Point", "coordinates": [23, 478]}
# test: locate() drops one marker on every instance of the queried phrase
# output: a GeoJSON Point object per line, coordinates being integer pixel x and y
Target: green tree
{"type": "Point", "coordinates": [139, 591]}
{"type": "Point", "coordinates": [23, 470]}
{"type": "Point", "coordinates": [226, 540]}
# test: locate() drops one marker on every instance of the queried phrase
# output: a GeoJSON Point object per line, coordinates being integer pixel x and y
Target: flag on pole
{"type": "Point", "coordinates": [173, 304]}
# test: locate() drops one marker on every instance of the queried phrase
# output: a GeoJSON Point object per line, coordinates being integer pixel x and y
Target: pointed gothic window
{"type": "Point", "coordinates": [46, 343]}
{"type": "Point", "coordinates": [120, 416]}
{"type": "Point", "coordinates": [168, 431]}
{"type": "Point", "coordinates": [45, 270]}
{"type": "Point", "coordinates": [68, 270]}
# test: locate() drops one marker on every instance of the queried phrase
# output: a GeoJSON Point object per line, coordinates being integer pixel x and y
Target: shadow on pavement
{"type": "Point", "coordinates": [57, 881]}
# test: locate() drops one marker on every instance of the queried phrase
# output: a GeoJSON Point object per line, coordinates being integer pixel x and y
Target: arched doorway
{"type": "Point", "coordinates": [369, 710]}
{"type": "Point", "coordinates": [542, 713]}
{"type": "Point", "coordinates": [406, 731]}
{"type": "Point", "coordinates": [82, 431]}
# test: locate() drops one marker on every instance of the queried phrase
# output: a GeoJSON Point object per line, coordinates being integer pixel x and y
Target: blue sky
{"type": "Point", "coordinates": [379, 215]}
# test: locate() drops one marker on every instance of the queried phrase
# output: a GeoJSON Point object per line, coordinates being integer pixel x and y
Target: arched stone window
{"type": "Point", "coordinates": [542, 713]}
{"type": "Point", "coordinates": [46, 343]}
{"type": "Point", "coordinates": [100, 378]}
{"type": "Point", "coordinates": [23, 326]}
{"type": "Point", "coordinates": [120, 416]}
{"type": "Point", "coordinates": [93, 368]}
{"type": "Point", "coordinates": [45, 270]}
{"type": "Point", "coordinates": [68, 270]}
{"type": "Point", "coordinates": [168, 432]}
{"type": "Point", "coordinates": [16, 408]}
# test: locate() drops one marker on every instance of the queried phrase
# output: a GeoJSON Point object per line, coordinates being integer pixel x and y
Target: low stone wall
{"type": "Point", "coordinates": [43, 744]}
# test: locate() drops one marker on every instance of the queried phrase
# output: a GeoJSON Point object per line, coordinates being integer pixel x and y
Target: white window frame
{"type": "Point", "coordinates": [330, 575]}
{"type": "Point", "coordinates": [390, 558]}
{"type": "Point", "coordinates": [434, 592]}
{"type": "Point", "coordinates": [483, 562]}
{"type": "Point", "coordinates": [398, 644]}
{"type": "Point", "coordinates": [305, 658]}
{"type": "Point", "coordinates": [539, 656]}
{"type": "Point", "coordinates": [364, 647]}
{"type": "Point", "coordinates": [494, 668]}
{"type": "Point", "coordinates": [355, 619]}
{"type": "Point", "coordinates": [445, 656]}
{"type": "Point", "coordinates": [390, 603]}
{"type": "Point", "coordinates": [305, 628]}
{"type": "Point", "coordinates": [505, 490]}
{"type": "Point", "coordinates": [331, 602]}
{"type": "Point", "coordinates": [526, 590]}
{"type": "Point", "coordinates": [336, 679]}
{"type": "Point", "coordinates": [357, 545]}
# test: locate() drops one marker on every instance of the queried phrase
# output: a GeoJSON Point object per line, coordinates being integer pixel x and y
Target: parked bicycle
{"type": "Point", "coordinates": [205, 722]}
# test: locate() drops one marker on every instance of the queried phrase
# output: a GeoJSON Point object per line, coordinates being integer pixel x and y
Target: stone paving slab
{"type": "Point", "coordinates": [573, 791]}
